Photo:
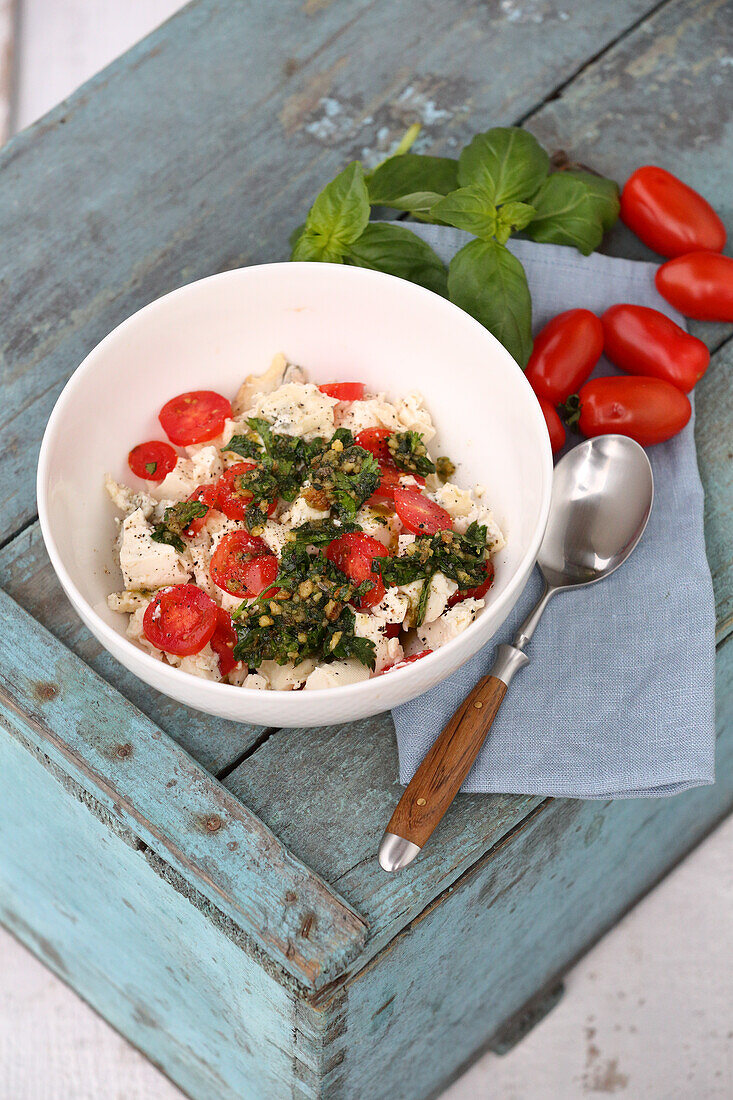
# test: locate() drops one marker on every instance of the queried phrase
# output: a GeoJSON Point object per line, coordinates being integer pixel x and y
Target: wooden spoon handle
{"type": "Point", "coordinates": [440, 775]}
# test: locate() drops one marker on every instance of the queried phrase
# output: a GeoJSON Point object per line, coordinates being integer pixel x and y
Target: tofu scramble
{"type": "Point", "coordinates": [300, 536]}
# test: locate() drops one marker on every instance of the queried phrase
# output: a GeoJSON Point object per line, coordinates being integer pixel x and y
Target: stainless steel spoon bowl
{"type": "Point", "coordinates": [602, 495]}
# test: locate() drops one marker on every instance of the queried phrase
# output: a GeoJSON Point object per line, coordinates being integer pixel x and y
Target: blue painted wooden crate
{"type": "Point", "coordinates": [212, 889]}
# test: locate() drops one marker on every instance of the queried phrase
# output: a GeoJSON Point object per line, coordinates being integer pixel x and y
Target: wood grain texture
{"type": "Point", "coordinates": [518, 919]}
{"type": "Point", "coordinates": [328, 793]}
{"type": "Point", "coordinates": [64, 42]}
{"type": "Point", "coordinates": [158, 968]}
{"type": "Point", "coordinates": [663, 96]}
{"type": "Point", "coordinates": [27, 576]}
{"type": "Point", "coordinates": [446, 764]}
{"type": "Point", "coordinates": [156, 790]}
{"type": "Point", "coordinates": [255, 107]}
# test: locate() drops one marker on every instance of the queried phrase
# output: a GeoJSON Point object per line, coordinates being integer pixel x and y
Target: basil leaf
{"type": "Point", "coordinates": [164, 535]}
{"type": "Point", "coordinates": [319, 532]}
{"type": "Point", "coordinates": [490, 284]}
{"type": "Point", "coordinates": [313, 246]}
{"type": "Point", "coordinates": [511, 216]}
{"type": "Point", "coordinates": [336, 219]}
{"type": "Point", "coordinates": [508, 162]}
{"type": "Point", "coordinates": [468, 208]}
{"type": "Point", "coordinates": [393, 248]}
{"type": "Point", "coordinates": [607, 193]}
{"type": "Point", "coordinates": [571, 211]}
{"type": "Point", "coordinates": [413, 182]}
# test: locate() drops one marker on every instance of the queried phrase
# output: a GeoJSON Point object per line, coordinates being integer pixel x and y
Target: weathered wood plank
{"type": "Point", "coordinates": [187, 818]}
{"type": "Point", "coordinates": [26, 574]}
{"type": "Point", "coordinates": [329, 793]}
{"type": "Point", "coordinates": [518, 920]}
{"type": "Point", "coordinates": [255, 106]}
{"type": "Point", "coordinates": [663, 96]}
{"type": "Point", "coordinates": [159, 968]}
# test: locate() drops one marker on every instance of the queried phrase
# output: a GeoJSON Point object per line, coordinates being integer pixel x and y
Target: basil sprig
{"type": "Point", "coordinates": [502, 183]}
{"type": "Point", "coordinates": [337, 231]}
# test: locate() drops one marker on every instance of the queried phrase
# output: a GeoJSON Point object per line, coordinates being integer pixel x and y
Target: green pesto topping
{"type": "Point", "coordinates": [410, 453]}
{"type": "Point", "coordinates": [286, 458]}
{"type": "Point", "coordinates": [175, 521]}
{"type": "Point", "coordinates": [308, 615]}
{"type": "Point", "coordinates": [342, 475]}
{"type": "Point", "coordinates": [444, 468]}
{"type": "Point", "coordinates": [460, 558]}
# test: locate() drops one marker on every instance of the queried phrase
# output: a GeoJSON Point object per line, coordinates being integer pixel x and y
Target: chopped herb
{"type": "Point", "coordinates": [175, 521]}
{"type": "Point", "coordinates": [460, 558]}
{"type": "Point", "coordinates": [422, 603]}
{"type": "Point", "coordinates": [151, 467]}
{"type": "Point", "coordinates": [320, 532]}
{"type": "Point", "coordinates": [260, 485]}
{"type": "Point", "coordinates": [308, 615]}
{"type": "Point", "coordinates": [285, 457]}
{"type": "Point", "coordinates": [246, 446]}
{"type": "Point", "coordinates": [444, 469]}
{"type": "Point", "coordinates": [410, 453]}
{"type": "Point", "coordinates": [344, 475]}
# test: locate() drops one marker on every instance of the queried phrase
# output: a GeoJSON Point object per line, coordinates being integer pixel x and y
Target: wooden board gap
{"type": "Point", "coordinates": [264, 736]}
{"type": "Point", "coordinates": [557, 92]}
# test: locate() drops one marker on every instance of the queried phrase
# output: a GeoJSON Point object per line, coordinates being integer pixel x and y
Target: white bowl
{"type": "Point", "coordinates": [338, 323]}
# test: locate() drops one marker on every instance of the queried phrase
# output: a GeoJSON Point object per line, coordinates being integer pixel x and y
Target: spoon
{"type": "Point", "coordinates": [602, 494]}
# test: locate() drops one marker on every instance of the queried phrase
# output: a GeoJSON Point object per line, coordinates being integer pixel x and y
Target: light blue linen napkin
{"type": "Point", "coordinates": [618, 698]}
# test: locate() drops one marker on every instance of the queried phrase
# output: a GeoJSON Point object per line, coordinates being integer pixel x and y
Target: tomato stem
{"type": "Point", "coordinates": [561, 162]}
{"type": "Point", "coordinates": [570, 410]}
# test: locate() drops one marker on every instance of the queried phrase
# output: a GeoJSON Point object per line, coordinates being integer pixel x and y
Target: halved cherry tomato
{"type": "Point", "coordinates": [223, 641]}
{"type": "Point", "coordinates": [194, 417]}
{"type": "Point", "coordinates": [205, 494]}
{"type": "Point", "coordinates": [476, 593]}
{"type": "Point", "coordinates": [649, 410]}
{"type": "Point", "coordinates": [644, 341]}
{"type": "Point", "coordinates": [670, 217]}
{"type": "Point", "coordinates": [231, 498]}
{"type": "Point", "coordinates": [555, 426]}
{"type": "Point", "coordinates": [180, 620]}
{"type": "Point", "coordinates": [374, 440]}
{"type": "Point", "coordinates": [699, 285]}
{"type": "Point", "coordinates": [406, 661]}
{"type": "Point", "coordinates": [243, 565]}
{"type": "Point", "coordinates": [152, 461]}
{"type": "Point", "coordinates": [419, 513]}
{"type": "Point", "coordinates": [354, 554]}
{"type": "Point", "coordinates": [564, 354]}
{"type": "Point", "coordinates": [343, 391]}
{"type": "Point", "coordinates": [389, 481]}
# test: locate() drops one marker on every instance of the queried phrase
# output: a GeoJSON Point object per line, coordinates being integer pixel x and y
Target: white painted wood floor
{"type": "Point", "coordinates": [647, 1015]}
